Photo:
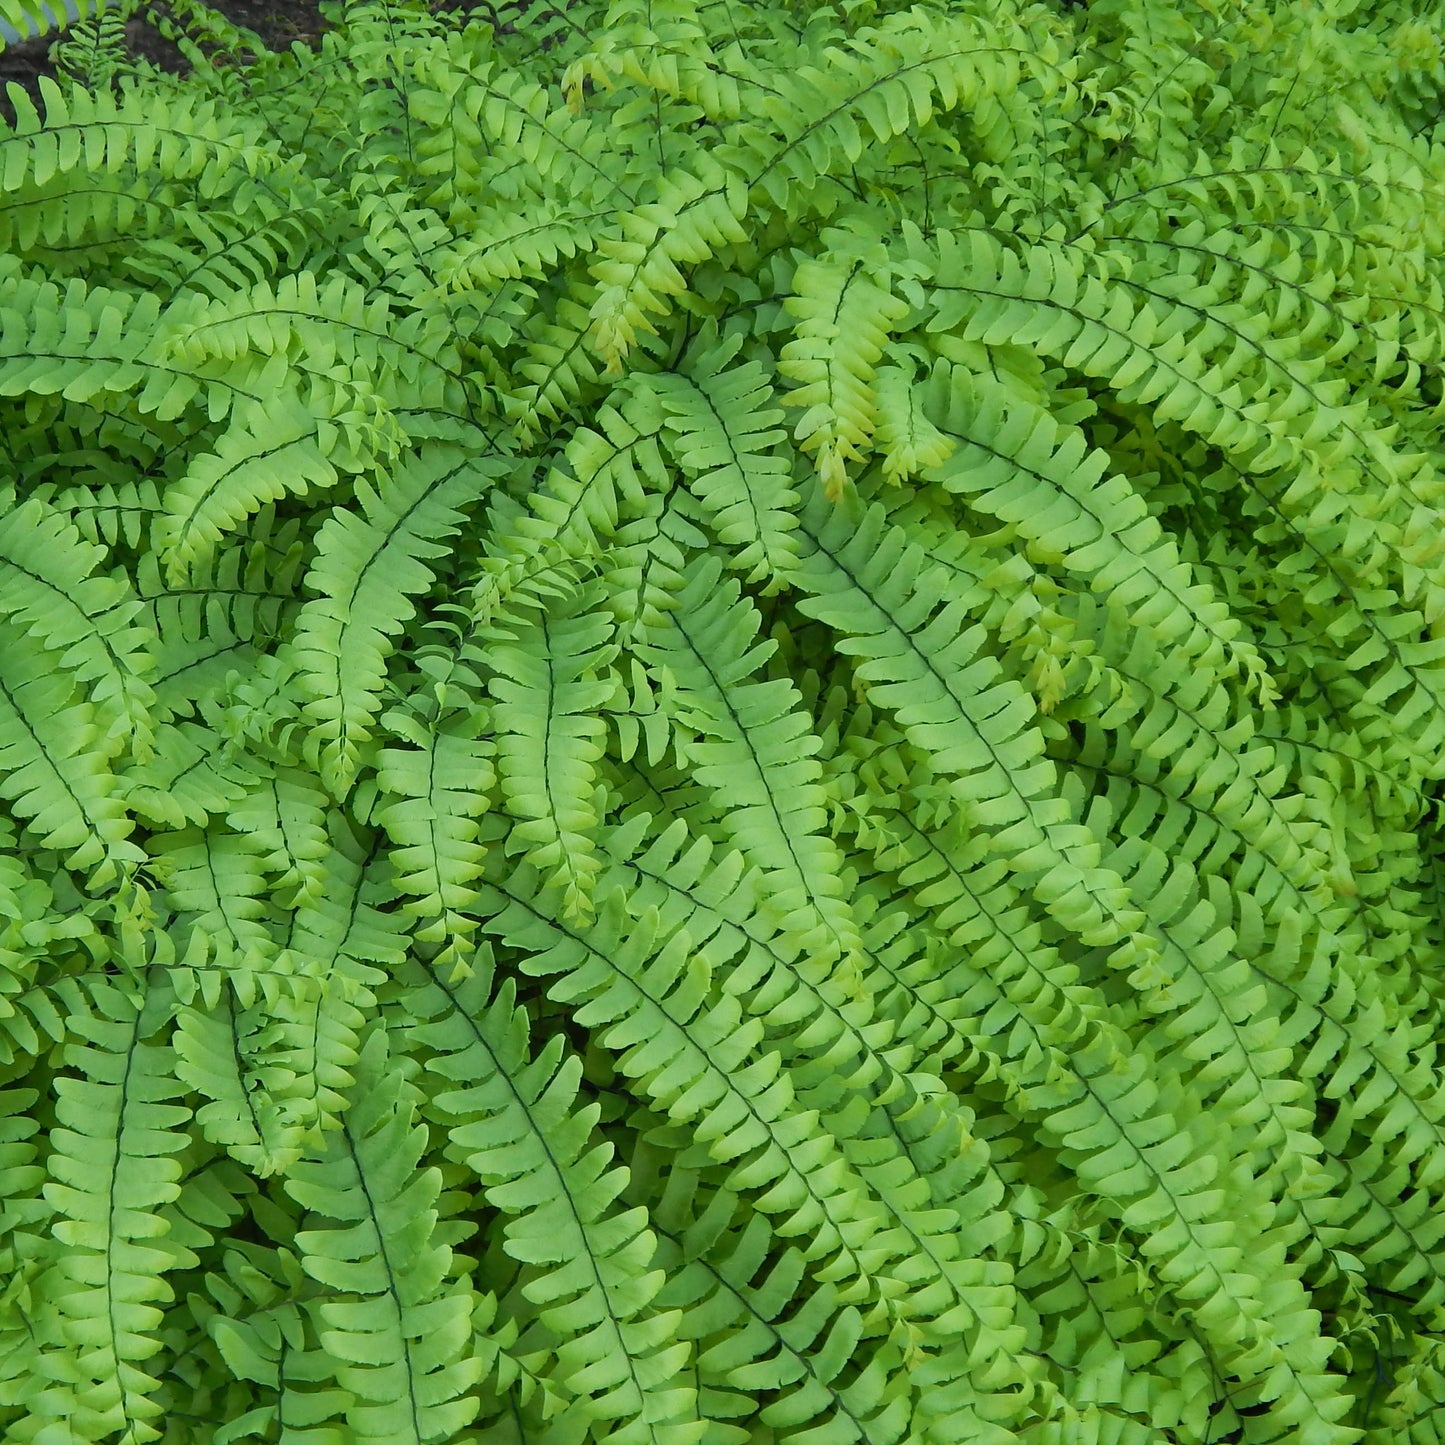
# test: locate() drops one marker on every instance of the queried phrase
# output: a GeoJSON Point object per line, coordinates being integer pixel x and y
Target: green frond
{"type": "Point", "coordinates": [227, 930]}
{"type": "Point", "coordinates": [916, 67]}
{"type": "Point", "coordinates": [269, 451]}
{"type": "Point", "coordinates": [500, 131]}
{"type": "Point", "coordinates": [110, 513]}
{"type": "Point", "coordinates": [402, 362]}
{"type": "Point", "coordinates": [691, 218]}
{"type": "Point", "coordinates": [885, 604]}
{"type": "Point", "coordinates": [511, 244]}
{"type": "Point", "coordinates": [754, 1337]}
{"type": "Point", "coordinates": [837, 1064]}
{"type": "Point", "coordinates": [258, 1110]}
{"type": "Point", "coordinates": [400, 1330]}
{"type": "Point", "coordinates": [92, 53]}
{"type": "Point", "coordinates": [110, 1167]}
{"type": "Point", "coordinates": [909, 441]}
{"type": "Point", "coordinates": [21, 1179]}
{"type": "Point", "coordinates": [843, 316]}
{"type": "Point", "coordinates": [1016, 463]}
{"type": "Point", "coordinates": [755, 752]}
{"type": "Point", "coordinates": [350, 947]}
{"type": "Point", "coordinates": [78, 343]}
{"type": "Point", "coordinates": [546, 547]}
{"type": "Point", "coordinates": [724, 439]}
{"type": "Point", "coordinates": [1102, 1099]}
{"type": "Point", "coordinates": [548, 683]}
{"type": "Point", "coordinates": [190, 779]}
{"type": "Point", "coordinates": [557, 369]}
{"type": "Point", "coordinates": [343, 933]}
{"type": "Point", "coordinates": [47, 586]}
{"type": "Point", "coordinates": [56, 766]}
{"type": "Point", "coordinates": [233, 604]}
{"type": "Point", "coordinates": [287, 815]}
{"type": "Point", "coordinates": [28, 18]}
{"type": "Point", "coordinates": [184, 141]}
{"type": "Point", "coordinates": [517, 1124]}
{"type": "Point", "coordinates": [365, 571]}
{"type": "Point", "coordinates": [259, 1334]}
{"type": "Point", "coordinates": [437, 790]}
{"type": "Point", "coordinates": [689, 1056]}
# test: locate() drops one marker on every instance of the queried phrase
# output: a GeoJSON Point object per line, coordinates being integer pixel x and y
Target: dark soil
{"type": "Point", "coordinates": [278, 23]}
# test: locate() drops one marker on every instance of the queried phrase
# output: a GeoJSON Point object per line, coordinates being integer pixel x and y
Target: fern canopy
{"type": "Point", "coordinates": [724, 725]}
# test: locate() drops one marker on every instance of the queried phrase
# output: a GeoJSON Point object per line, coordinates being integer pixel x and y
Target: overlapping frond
{"type": "Point", "coordinates": [48, 586]}
{"type": "Point", "coordinates": [724, 437]}
{"type": "Point", "coordinates": [887, 605]}
{"type": "Point", "coordinates": [55, 762]}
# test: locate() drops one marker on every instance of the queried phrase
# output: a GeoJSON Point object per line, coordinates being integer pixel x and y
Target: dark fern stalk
{"type": "Point", "coordinates": [721, 725]}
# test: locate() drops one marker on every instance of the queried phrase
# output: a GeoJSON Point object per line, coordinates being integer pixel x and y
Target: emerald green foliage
{"type": "Point", "coordinates": [723, 724]}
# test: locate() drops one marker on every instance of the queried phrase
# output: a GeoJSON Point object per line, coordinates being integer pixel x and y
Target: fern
{"type": "Point", "coordinates": [398, 1339]}
{"type": "Point", "coordinates": [590, 1280]}
{"type": "Point", "coordinates": [722, 725]}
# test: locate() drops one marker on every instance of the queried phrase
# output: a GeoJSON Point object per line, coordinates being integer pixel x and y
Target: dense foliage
{"type": "Point", "coordinates": [722, 723]}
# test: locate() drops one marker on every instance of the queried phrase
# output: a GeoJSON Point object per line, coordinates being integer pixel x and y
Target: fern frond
{"type": "Point", "coordinates": [512, 243]}
{"type": "Point", "coordinates": [258, 1110]}
{"type": "Point", "coordinates": [1186, 1229]}
{"type": "Point", "coordinates": [548, 684]}
{"type": "Point", "coordinates": [544, 549]}
{"type": "Point", "coordinates": [843, 314]}
{"type": "Point", "coordinates": [286, 814]}
{"type": "Point", "coordinates": [957, 1311]}
{"type": "Point", "coordinates": [873, 587]}
{"type": "Point", "coordinates": [723, 439]}
{"type": "Point", "coordinates": [364, 570]}
{"type": "Point", "coordinates": [216, 880]}
{"type": "Point", "coordinates": [771, 1346]}
{"type": "Point", "coordinates": [693, 216]}
{"type": "Point", "coordinates": [55, 768]}
{"type": "Point", "coordinates": [400, 1340]}
{"type": "Point", "coordinates": [500, 132]}
{"type": "Point", "coordinates": [187, 138]}
{"type": "Point", "coordinates": [909, 440]}
{"type": "Point", "coordinates": [269, 451]}
{"type": "Point", "coordinates": [1018, 463]}
{"type": "Point", "coordinates": [111, 1166]}
{"type": "Point", "coordinates": [29, 18]}
{"type": "Point", "coordinates": [756, 754]}
{"type": "Point", "coordinates": [647, 988]}
{"type": "Point", "coordinates": [351, 947]}
{"type": "Point", "coordinates": [47, 586]}
{"type": "Point", "coordinates": [557, 368]}
{"type": "Point", "coordinates": [92, 52]}
{"type": "Point", "coordinates": [517, 1122]}
{"type": "Point", "coordinates": [190, 780]}
{"type": "Point", "coordinates": [438, 787]}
